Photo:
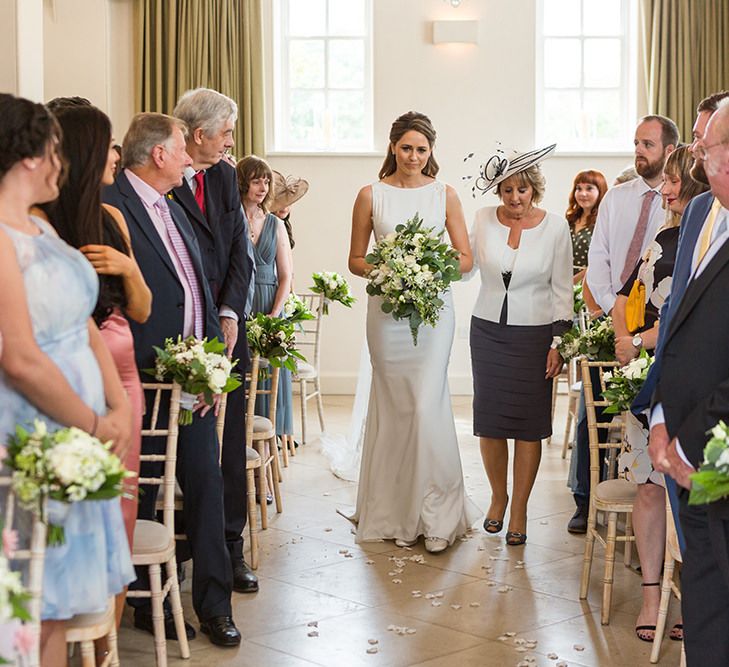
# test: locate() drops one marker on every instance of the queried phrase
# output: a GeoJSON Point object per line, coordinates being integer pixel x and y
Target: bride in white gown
{"type": "Point", "coordinates": [411, 481]}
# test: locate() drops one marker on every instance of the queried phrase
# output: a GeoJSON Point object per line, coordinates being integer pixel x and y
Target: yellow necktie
{"type": "Point", "coordinates": [705, 241]}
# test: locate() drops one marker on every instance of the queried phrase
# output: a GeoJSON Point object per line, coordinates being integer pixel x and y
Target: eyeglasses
{"type": "Point", "coordinates": [702, 151]}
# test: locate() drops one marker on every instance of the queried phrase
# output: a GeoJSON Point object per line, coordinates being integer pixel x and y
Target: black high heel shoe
{"type": "Point", "coordinates": [514, 539]}
{"type": "Point", "coordinates": [494, 526]}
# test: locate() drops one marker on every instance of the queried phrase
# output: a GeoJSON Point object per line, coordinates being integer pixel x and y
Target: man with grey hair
{"type": "Point", "coordinates": [168, 255]}
{"type": "Point", "coordinates": [691, 395]}
{"type": "Point", "coordinates": [210, 198]}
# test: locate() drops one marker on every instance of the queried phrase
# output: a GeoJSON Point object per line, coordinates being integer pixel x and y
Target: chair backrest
{"type": "Point", "coordinates": [251, 388]}
{"type": "Point", "coordinates": [170, 431]}
{"type": "Point", "coordinates": [267, 385]}
{"type": "Point", "coordinates": [592, 424]}
{"type": "Point", "coordinates": [672, 545]}
{"type": "Point", "coordinates": [34, 555]}
{"type": "Point", "coordinates": [308, 336]}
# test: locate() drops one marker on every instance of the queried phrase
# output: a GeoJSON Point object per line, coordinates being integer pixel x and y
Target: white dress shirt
{"type": "Point", "coordinates": [617, 218]}
{"type": "Point", "coordinates": [719, 236]}
{"type": "Point", "coordinates": [540, 290]}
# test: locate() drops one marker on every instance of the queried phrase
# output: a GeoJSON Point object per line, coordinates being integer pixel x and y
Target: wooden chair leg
{"type": "Point", "coordinates": [291, 445]}
{"type": "Point", "coordinates": [285, 450]}
{"type": "Point", "coordinates": [628, 551]}
{"type": "Point", "coordinates": [158, 620]}
{"type": "Point", "coordinates": [668, 565]}
{"type": "Point", "coordinates": [589, 549]}
{"type": "Point", "coordinates": [319, 402]}
{"type": "Point", "coordinates": [261, 449]}
{"type": "Point", "coordinates": [252, 521]}
{"type": "Point", "coordinates": [607, 582]}
{"type": "Point", "coordinates": [88, 655]}
{"type": "Point", "coordinates": [302, 391]}
{"type": "Point", "coordinates": [567, 429]}
{"type": "Point", "coordinates": [555, 383]}
{"type": "Point", "coordinates": [176, 604]}
{"type": "Point", "coordinates": [276, 476]}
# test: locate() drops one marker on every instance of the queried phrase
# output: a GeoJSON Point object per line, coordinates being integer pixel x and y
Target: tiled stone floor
{"type": "Point", "coordinates": [312, 571]}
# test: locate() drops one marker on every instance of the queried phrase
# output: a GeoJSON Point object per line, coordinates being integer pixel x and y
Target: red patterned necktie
{"type": "Point", "coordinates": [200, 190]}
{"type": "Point", "coordinates": [180, 249]}
{"type": "Point", "coordinates": [631, 259]}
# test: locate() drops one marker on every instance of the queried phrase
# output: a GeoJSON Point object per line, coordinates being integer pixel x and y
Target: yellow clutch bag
{"type": "Point", "coordinates": [635, 307]}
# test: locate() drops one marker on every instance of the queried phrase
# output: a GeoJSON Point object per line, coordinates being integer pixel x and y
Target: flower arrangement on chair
{"type": "Point", "coordinates": [333, 287]}
{"type": "Point", "coordinates": [274, 339]}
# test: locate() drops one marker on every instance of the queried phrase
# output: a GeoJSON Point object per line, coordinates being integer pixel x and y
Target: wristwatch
{"type": "Point", "coordinates": [637, 341]}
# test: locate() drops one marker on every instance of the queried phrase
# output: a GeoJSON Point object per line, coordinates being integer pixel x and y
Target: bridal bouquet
{"type": "Point", "coordinates": [334, 288]}
{"type": "Point", "coordinates": [273, 338]}
{"type": "Point", "coordinates": [412, 269]}
{"type": "Point", "coordinates": [295, 310]}
{"type": "Point", "coordinates": [68, 466]}
{"type": "Point", "coordinates": [568, 344]}
{"type": "Point", "coordinates": [622, 386]}
{"type": "Point", "coordinates": [199, 367]}
{"type": "Point", "coordinates": [711, 482]}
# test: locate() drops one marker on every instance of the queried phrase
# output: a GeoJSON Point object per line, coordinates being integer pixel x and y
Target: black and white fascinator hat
{"type": "Point", "coordinates": [499, 166]}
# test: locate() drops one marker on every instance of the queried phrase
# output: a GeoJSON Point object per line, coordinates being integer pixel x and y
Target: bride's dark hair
{"type": "Point", "coordinates": [412, 120]}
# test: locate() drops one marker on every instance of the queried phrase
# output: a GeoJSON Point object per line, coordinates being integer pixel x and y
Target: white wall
{"type": "Point", "coordinates": [475, 95]}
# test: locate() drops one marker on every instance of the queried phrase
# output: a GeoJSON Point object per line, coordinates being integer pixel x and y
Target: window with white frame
{"type": "Point", "coordinates": [586, 55]}
{"type": "Point", "coordinates": [323, 76]}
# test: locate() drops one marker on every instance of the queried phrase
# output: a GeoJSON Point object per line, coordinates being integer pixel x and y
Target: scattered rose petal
{"type": "Point", "coordinates": [519, 641]}
{"type": "Point", "coordinates": [510, 634]}
{"type": "Point", "coordinates": [429, 596]}
{"type": "Point", "coordinates": [474, 604]}
{"type": "Point", "coordinates": [499, 549]}
{"type": "Point", "coordinates": [313, 633]}
{"type": "Point", "coordinates": [327, 530]}
{"type": "Point", "coordinates": [436, 603]}
{"type": "Point", "coordinates": [520, 562]}
{"type": "Point", "coordinates": [578, 647]}
{"type": "Point", "coordinates": [562, 663]}
{"type": "Point", "coordinates": [372, 650]}
{"type": "Point", "coordinates": [397, 581]}
{"type": "Point", "coordinates": [326, 493]}
{"type": "Point", "coordinates": [455, 607]}
{"type": "Point", "coordinates": [349, 555]}
{"type": "Point", "coordinates": [369, 562]}
{"type": "Point", "coordinates": [373, 641]}
{"type": "Point", "coordinates": [313, 624]}
{"type": "Point", "coordinates": [502, 638]}
{"type": "Point", "coordinates": [552, 656]}
{"type": "Point", "coordinates": [504, 589]}
{"type": "Point", "coordinates": [522, 663]}
{"type": "Point", "coordinates": [522, 649]}
{"type": "Point", "coordinates": [24, 639]}
{"type": "Point", "coordinates": [410, 631]}
{"type": "Point", "coordinates": [518, 567]}
{"type": "Point", "coordinates": [544, 523]}
{"type": "Point", "coordinates": [416, 592]}
{"type": "Point", "coordinates": [439, 594]}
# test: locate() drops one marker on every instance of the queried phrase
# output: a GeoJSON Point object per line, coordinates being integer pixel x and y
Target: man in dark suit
{"type": "Point", "coordinates": [691, 396]}
{"type": "Point", "coordinates": [167, 252]}
{"type": "Point", "coordinates": [209, 195]}
{"type": "Point", "coordinates": [695, 217]}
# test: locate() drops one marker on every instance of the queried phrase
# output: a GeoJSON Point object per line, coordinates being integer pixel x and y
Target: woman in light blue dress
{"type": "Point", "coordinates": [55, 367]}
{"type": "Point", "coordinates": [272, 252]}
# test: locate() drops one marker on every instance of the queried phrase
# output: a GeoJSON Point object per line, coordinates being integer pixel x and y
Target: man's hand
{"type": "Point", "coordinates": [676, 467]}
{"type": "Point", "coordinates": [657, 445]}
{"type": "Point", "coordinates": [625, 351]}
{"type": "Point", "coordinates": [230, 334]}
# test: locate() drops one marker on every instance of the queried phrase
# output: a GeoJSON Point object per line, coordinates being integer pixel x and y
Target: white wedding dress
{"type": "Point", "coordinates": [411, 480]}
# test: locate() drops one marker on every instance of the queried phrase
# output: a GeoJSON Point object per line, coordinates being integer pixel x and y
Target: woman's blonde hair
{"type": "Point", "coordinates": [531, 176]}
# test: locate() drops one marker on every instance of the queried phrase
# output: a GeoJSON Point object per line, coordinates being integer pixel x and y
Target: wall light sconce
{"type": "Point", "coordinates": [465, 32]}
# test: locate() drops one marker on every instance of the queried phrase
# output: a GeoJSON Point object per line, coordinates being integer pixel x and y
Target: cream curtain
{"type": "Point", "coordinates": [218, 44]}
{"type": "Point", "coordinates": [684, 54]}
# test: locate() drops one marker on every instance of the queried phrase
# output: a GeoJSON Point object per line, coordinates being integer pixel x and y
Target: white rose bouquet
{"type": "Point", "coordinates": [295, 310]}
{"type": "Point", "coordinates": [274, 339]}
{"type": "Point", "coordinates": [568, 344]}
{"type": "Point", "coordinates": [199, 367]}
{"type": "Point", "coordinates": [622, 386]}
{"type": "Point", "coordinates": [413, 267]}
{"type": "Point", "coordinates": [68, 466]}
{"type": "Point", "coordinates": [711, 482]}
{"type": "Point", "coordinates": [334, 288]}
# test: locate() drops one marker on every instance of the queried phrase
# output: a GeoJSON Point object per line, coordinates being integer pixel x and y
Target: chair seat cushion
{"type": "Point", "coordinates": [304, 371]}
{"type": "Point", "coordinates": [150, 537]}
{"type": "Point", "coordinates": [252, 454]}
{"type": "Point", "coordinates": [261, 424]}
{"type": "Point", "coordinates": [616, 491]}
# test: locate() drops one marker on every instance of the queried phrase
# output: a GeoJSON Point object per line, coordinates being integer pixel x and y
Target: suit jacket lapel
{"type": "Point", "coordinates": [143, 221]}
{"type": "Point", "coordinates": [697, 287]}
{"type": "Point", "coordinates": [184, 197]}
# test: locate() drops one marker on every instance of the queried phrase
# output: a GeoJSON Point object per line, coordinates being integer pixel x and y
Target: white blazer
{"type": "Point", "coordinates": [540, 291]}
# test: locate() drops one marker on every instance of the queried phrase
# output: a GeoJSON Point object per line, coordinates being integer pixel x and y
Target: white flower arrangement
{"type": "Point", "coordinates": [412, 269]}
{"type": "Point", "coordinates": [200, 367]}
{"type": "Point", "coordinates": [711, 482]}
{"type": "Point", "coordinates": [623, 385]}
{"type": "Point", "coordinates": [295, 310]}
{"type": "Point", "coordinates": [333, 287]}
{"type": "Point", "coordinates": [68, 465]}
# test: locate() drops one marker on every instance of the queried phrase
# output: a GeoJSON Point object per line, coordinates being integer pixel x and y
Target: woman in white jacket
{"type": "Point", "coordinates": [524, 255]}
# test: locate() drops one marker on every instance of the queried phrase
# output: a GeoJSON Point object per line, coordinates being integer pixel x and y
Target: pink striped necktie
{"type": "Point", "coordinates": [180, 249]}
{"type": "Point", "coordinates": [631, 259]}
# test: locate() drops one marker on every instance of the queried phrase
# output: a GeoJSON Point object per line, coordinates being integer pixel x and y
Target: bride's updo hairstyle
{"type": "Point", "coordinates": [419, 122]}
{"type": "Point", "coordinates": [26, 131]}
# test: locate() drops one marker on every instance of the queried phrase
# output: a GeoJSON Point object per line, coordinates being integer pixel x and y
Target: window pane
{"type": "Point", "coordinates": [347, 17]}
{"type": "Point", "coordinates": [562, 117]}
{"type": "Point", "coordinates": [602, 17]}
{"type": "Point", "coordinates": [346, 63]}
{"type": "Point", "coordinates": [602, 63]}
{"type": "Point", "coordinates": [348, 118]}
{"type": "Point", "coordinates": [602, 111]}
{"type": "Point", "coordinates": [306, 113]}
{"type": "Point", "coordinates": [307, 17]}
{"type": "Point", "coordinates": [562, 63]}
{"type": "Point", "coordinates": [562, 17]}
{"type": "Point", "coordinates": [306, 63]}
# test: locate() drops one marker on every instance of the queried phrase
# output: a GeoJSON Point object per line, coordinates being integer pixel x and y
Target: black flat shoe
{"type": "Point", "coordinates": [244, 581]}
{"type": "Point", "coordinates": [221, 630]}
{"type": "Point", "coordinates": [143, 621]}
{"type": "Point", "coordinates": [514, 539]}
{"type": "Point", "coordinates": [492, 525]}
{"type": "Point", "coordinates": [578, 522]}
